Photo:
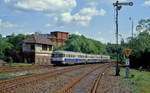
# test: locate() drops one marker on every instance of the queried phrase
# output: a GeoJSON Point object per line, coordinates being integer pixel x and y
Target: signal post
{"type": "Point", "coordinates": [127, 61]}
{"type": "Point", "coordinates": [118, 6]}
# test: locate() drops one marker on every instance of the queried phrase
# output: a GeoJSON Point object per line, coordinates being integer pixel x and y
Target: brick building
{"type": "Point", "coordinates": [37, 48]}
{"type": "Point", "coordinates": [58, 38]}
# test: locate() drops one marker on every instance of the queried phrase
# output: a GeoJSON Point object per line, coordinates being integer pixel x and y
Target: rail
{"type": "Point", "coordinates": [8, 85]}
{"type": "Point", "coordinates": [98, 79]}
{"type": "Point", "coordinates": [11, 69]}
{"type": "Point", "coordinates": [68, 87]}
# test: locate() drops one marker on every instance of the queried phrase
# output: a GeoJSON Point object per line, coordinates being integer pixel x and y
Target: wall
{"type": "Point", "coordinates": [42, 57]}
{"type": "Point", "coordinates": [60, 39]}
{"type": "Point", "coordinates": [38, 55]}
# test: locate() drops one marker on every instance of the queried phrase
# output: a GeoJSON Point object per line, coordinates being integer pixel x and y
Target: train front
{"type": "Point", "coordinates": [57, 58]}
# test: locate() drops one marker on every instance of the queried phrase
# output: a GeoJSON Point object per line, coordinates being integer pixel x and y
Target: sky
{"type": "Point", "coordinates": [91, 18]}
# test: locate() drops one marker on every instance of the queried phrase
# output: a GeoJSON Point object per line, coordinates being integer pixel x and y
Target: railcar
{"type": "Point", "coordinates": [66, 57]}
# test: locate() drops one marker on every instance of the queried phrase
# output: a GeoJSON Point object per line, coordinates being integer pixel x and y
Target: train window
{"type": "Point", "coordinates": [57, 55]}
{"type": "Point", "coordinates": [53, 55]}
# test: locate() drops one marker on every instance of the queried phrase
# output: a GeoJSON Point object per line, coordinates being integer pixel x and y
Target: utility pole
{"type": "Point", "coordinates": [131, 18]}
{"type": "Point", "coordinates": [118, 7]}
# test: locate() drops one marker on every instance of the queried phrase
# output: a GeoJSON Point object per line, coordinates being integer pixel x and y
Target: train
{"type": "Point", "coordinates": [68, 57]}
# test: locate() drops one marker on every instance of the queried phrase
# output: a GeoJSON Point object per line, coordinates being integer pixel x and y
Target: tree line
{"type": "Point", "coordinates": [82, 44]}
{"type": "Point", "coordinates": [11, 47]}
{"type": "Point", "coordinates": [140, 45]}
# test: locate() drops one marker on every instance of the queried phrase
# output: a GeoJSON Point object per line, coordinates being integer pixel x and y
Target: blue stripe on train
{"type": "Point", "coordinates": [74, 60]}
{"type": "Point", "coordinates": [67, 60]}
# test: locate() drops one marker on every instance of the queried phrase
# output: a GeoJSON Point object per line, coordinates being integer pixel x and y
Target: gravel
{"type": "Point", "coordinates": [53, 84]}
{"type": "Point", "coordinates": [112, 84]}
{"type": "Point", "coordinates": [85, 84]}
{"type": "Point", "coordinates": [109, 83]}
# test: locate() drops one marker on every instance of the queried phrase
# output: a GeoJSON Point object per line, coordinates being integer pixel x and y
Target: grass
{"type": "Point", "coordinates": [140, 83]}
{"type": "Point", "coordinates": [5, 75]}
{"type": "Point", "coordinates": [10, 75]}
{"type": "Point", "coordinates": [20, 64]}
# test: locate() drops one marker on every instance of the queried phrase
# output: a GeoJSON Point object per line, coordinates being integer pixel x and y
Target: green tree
{"type": "Point", "coordinates": [16, 41]}
{"type": "Point", "coordinates": [4, 47]}
{"type": "Point", "coordinates": [143, 25]}
{"type": "Point", "coordinates": [82, 44]}
{"type": "Point", "coordinates": [141, 45]}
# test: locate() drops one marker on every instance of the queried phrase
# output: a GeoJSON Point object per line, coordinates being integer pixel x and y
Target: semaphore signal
{"type": "Point", "coordinates": [118, 6]}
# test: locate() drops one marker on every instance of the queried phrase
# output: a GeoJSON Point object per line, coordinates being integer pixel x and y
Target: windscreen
{"type": "Point", "coordinates": [57, 55]}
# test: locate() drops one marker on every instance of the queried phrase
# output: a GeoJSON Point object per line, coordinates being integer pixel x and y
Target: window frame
{"type": "Point", "coordinates": [44, 47]}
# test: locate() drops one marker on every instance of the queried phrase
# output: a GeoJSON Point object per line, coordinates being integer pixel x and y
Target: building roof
{"type": "Point", "coordinates": [59, 32]}
{"type": "Point", "coordinates": [38, 39]}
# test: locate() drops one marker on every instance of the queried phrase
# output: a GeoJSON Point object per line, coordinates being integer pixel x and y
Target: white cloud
{"type": "Point", "coordinates": [44, 5]}
{"type": "Point", "coordinates": [123, 0]}
{"type": "Point", "coordinates": [7, 1]}
{"type": "Point", "coordinates": [147, 2]}
{"type": "Point", "coordinates": [97, 2]}
{"type": "Point", "coordinates": [59, 10]}
{"type": "Point", "coordinates": [29, 33]}
{"type": "Point", "coordinates": [65, 17]}
{"type": "Point", "coordinates": [82, 18]}
{"type": "Point", "coordinates": [78, 33]}
{"type": "Point", "coordinates": [5, 24]}
{"type": "Point", "coordinates": [100, 39]}
{"type": "Point", "coordinates": [99, 33]}
{"type": "Point", "coordinates": [48, 25]}
{"type": "Point", "coordinates": [92, 12]}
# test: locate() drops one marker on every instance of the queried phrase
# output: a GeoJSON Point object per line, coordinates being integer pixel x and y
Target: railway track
{"type": "Point", "coordinates": [68, 88]}
{"type": "Point", "coordinates": [98, 79]}
{"type": "Point", "coordinates": [8, 85]}
{"type": "Point", "coordinates": [11, 69]}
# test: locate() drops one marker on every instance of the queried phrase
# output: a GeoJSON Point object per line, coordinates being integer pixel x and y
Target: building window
{"type": "Point", "coordinates": [44, 47]}
{"type": "Point", "coordinates": [50, 48]}
{"type": "Point", "coordinates": [32, 47]}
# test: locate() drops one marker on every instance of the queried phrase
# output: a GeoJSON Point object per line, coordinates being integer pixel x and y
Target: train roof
{"type": "Point", "coordinates": [70, 52]}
